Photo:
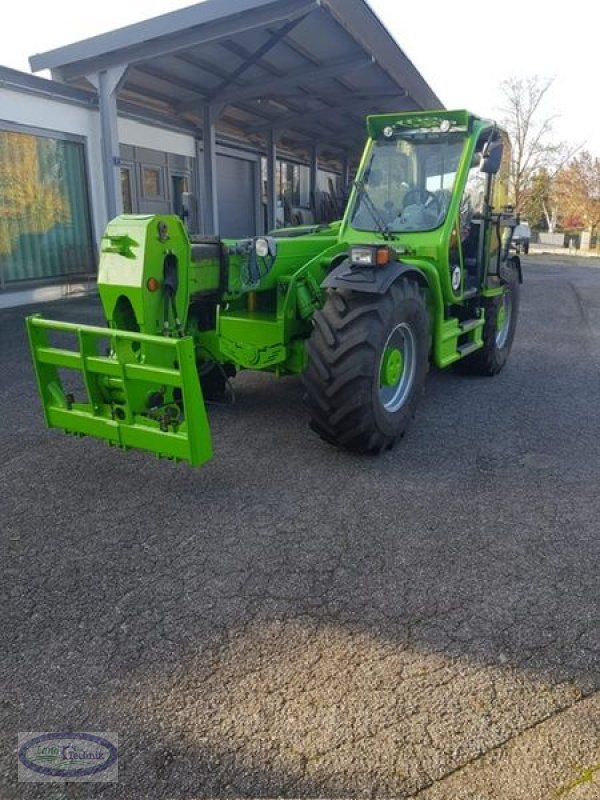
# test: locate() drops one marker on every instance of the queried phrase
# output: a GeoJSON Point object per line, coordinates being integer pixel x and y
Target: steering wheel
{"type": "Point", "coordinates": [389, 211]}
{"type": "Point", "coordinates": [421, 197]}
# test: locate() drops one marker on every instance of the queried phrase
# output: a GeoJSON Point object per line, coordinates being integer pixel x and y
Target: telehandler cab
{"type": "Point", "coordinates": [419, 270]}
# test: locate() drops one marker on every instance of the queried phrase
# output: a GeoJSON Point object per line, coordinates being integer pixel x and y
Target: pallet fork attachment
{"type": "Point", "coordinates": [144, 393]}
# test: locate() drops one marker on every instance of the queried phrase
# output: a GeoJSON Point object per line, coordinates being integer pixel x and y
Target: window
{"type": "Point", "coordinates": [301, 186]}
{"type": "Point", "coordinates": [408, 184]}
{"type": "Point", "coordinates": [502, 193]}
{"type": "Point", "coordinates": [292, 181]}
{"type": "Point", "coordinates": [474, 195]}
{"type": "Point", "coordinates": [44, 210]}
{"type": "Point", "coordinates": [326, 181]}
{"type": "Point", "coordinates": [126, 190]}
{"type": "Point", "coordinates": [151, 181]}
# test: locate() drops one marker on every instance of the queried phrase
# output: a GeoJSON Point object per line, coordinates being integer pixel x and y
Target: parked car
{"type": "Point", "coordinates": [522, 237]}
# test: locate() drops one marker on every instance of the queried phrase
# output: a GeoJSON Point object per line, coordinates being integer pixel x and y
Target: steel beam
{"type": "Point", "coordinates": [325, 113]}
{"type": "Point", "coordinates": [297, 48]}
{"type": "Point", "coordinates": [271, 42]}
{"type": "Point", "coordinates": [296, 78]}
{"type": "Point", "coordinates": [243, 53]}
{"type": "Point", "coordinates": [209, 207]}
{"type": "Point", "coordinates": [107, 83]}
{"type": "Point", "coordinates": [167, 77]}
{"type": "Point", "coordinates": [272, 137]}
{"type": "Point", "coordinates": [345, 172]}
{"type": "Point", "coordinates": [314, 172]}
{"type": "Point", "coordinates": [294, 94]}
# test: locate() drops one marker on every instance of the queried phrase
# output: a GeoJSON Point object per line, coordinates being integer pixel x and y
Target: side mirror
{"type": "Point", "coordinates": [491, 158]}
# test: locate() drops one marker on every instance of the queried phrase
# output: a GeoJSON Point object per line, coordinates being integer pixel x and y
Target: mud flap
{"type": "Point", "coordinates": [143, 392]}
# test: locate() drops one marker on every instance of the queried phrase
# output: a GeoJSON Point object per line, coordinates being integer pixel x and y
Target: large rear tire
{"type": "Point", "coordinates": [368, 357]}
{"type": "Point", "coordinates": [501, 315]}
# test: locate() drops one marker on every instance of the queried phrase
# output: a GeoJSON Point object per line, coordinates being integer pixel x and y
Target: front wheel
{"type": "Point", "coordinates": [368, 357]}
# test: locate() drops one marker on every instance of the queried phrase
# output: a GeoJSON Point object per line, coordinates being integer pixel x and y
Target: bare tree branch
{"type": "Point", "coordinates": [530, 131]}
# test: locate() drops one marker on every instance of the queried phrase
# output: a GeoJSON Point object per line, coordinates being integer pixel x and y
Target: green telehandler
{"type": "Point", "coordinates": [418, 271]}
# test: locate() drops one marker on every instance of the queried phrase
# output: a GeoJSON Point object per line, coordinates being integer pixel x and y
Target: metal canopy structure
{"type": "Point", "coordinates": [300, 72]}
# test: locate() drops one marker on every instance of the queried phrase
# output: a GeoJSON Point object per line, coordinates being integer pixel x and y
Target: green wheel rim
{"type": "Point", "coordinates": [397, 367]}
{"type": "Point", "coordinates": [392, 366]}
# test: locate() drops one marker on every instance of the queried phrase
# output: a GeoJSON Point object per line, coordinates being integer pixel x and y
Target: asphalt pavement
{"type": "Point", "coordinates": [292, 620]}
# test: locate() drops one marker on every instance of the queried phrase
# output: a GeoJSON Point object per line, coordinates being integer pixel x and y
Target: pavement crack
{"type": "Point", "coordinates": [503, 743]}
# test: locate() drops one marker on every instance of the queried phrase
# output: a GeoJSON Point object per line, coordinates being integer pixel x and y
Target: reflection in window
{"type": "Point", "coordinates": [44, 211]}
{"type": "Point", "coordinates": [151, 181]}
{"type": "Point", "coordinates": [292, 181]}
{"type": "Point", "coordinates": [475, 188]}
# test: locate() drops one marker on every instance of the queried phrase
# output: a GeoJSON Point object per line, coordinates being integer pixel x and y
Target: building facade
{"type": "Point", "coordinates": [251, 112]}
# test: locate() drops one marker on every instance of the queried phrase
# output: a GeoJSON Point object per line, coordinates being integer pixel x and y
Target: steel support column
{"type": "Point", "coordinates": [313, 180]}
{"type": "Point", "coordinates": [107, 83]}
{"type": "Point", "coordinates": [272, 137]}
{"type": "Point", "coordinates": [345, 174]}
{"type": "Point", "coordinates": [209, 206]}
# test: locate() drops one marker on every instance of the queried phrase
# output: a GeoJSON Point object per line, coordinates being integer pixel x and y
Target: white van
{"type": "Point", "coordinates": [522, 237]}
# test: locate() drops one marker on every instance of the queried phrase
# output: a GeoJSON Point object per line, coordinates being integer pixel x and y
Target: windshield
{"type": "Point", "coordinates": [408, 182]}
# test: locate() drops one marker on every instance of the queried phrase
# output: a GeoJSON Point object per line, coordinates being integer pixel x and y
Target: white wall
{"type": "Point", "coordinates": [141, 134]}
{"type": "Point", "coordinates": [54, 115]}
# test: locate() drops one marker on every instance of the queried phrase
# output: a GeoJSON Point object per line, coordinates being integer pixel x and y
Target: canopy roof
{"type": "Point", "coordinates": [310, 69]}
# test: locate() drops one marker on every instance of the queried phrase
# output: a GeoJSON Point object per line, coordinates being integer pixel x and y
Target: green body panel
{"type": "Point", "coordinates": [172, 304]}
{"type": "Point", "coordinates": [132, 252]}
{"type": "Point", "coordinates": [263, 337]}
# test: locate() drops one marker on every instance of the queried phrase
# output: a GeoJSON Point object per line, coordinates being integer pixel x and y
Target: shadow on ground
{"type": "Point", "coordinates": [292, 620]}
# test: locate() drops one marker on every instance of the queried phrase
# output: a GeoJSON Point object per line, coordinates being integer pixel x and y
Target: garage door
{"type": "Point", "coordinates": [237, 197]}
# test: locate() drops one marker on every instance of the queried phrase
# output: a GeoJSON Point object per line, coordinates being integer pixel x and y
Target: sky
{"type": "Point", "coordinates": [464, 49]}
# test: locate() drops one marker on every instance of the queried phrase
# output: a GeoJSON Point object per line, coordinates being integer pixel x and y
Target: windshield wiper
{"type": "Point", "coordinates": [363, 197]}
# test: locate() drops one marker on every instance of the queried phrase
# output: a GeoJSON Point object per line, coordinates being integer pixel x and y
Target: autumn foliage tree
{"type": "Point", "coordinates": [577, 192]}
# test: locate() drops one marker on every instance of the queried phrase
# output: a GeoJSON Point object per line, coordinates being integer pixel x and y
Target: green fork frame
{"type": "Point", "coordinates": [118, 387]}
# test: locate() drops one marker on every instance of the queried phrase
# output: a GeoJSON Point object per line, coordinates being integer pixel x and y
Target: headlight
{"type": "Point", "coordinates": [262, 248]}
{"type": "Point", "coordinates": [363, 256]}
{"type": "Point", "coordinates": [377, 256]}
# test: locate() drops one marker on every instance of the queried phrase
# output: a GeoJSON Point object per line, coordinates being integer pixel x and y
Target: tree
{"type": "Point", "coordinates": [538, 204]}
{"type": "Point", "coordinates": [530, 128]}
{"type": "Point", "coordinates": [577, 192]}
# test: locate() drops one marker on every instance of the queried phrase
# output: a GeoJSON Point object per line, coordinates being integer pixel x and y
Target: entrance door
{"type": "Point", "coordinates": [237, 197]}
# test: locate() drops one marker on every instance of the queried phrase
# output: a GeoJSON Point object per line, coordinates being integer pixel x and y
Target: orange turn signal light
{"type": "Point", "coordinates": [152, 284]}
{"type": "Point", "coordinates": [384, 256]}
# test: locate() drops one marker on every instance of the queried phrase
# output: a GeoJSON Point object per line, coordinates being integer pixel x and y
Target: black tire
{"type": "Point", "coordinates": [526, 248]}
{"type": "Point", "coordinates": [214, 381]}
{"type": "Point", "coordinates": [492, 357]}
{"type": "Point", "coordinates": [353, 334]}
